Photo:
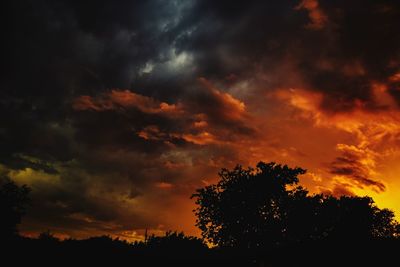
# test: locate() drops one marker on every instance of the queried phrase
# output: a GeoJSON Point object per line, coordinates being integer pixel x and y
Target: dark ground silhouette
{"type": "Point", "coordinates": [254, 217]}
{"type": "Point", "coordinates": [99, 250]}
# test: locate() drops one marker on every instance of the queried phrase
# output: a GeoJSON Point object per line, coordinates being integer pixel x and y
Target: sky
{"type": "Point", "coordinates": [115, 112]}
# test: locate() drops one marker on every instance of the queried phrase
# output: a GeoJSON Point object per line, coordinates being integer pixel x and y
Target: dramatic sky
{"type": "Point", "coordinates": [114, 112]}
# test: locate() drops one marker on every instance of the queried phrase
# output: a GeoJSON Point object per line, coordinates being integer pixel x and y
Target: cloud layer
{"type": "Point", "coordinates": [115, 111]}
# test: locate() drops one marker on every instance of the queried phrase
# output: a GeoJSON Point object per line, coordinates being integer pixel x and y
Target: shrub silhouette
{"type": "Point", "coordinates": [264, 207]}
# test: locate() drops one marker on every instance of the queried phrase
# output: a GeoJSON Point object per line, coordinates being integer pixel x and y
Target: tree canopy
{"type": "Point", "coordinates": [265, 206]}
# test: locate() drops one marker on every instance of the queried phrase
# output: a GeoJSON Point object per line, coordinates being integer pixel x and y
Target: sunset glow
{"type": "Point", "coordinates": [114, 119]}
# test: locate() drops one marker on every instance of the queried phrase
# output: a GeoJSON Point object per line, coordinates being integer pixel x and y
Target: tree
{"type": "Point", "coordinates": [13, 201]}
{"type": "Point", "coordinates": [264, 206]}
{"type": "Point", "coordinates": [352, 218]}
{"type": "Point", "coordinates": [244, 209]}
{"type": "Point", "coordinates": [385, 225]}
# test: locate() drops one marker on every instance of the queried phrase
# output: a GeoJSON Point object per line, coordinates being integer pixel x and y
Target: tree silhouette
{"type": "Point", "coordinates": [176, 247]}
{"type": "Point", "coordinates": [244, 209]}
{"type": "Point", "coordinates": [384, 224]}
{"type": "Point", "coordinates": [176, 241]}
{"type": "Point", "coordinates": [47, 236]}
{"type": "Point", "coordinates": [13, 201]}
{"type": "Point", "coordinates": [265, 207]}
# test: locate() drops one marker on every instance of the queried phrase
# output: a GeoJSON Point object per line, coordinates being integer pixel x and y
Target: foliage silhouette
{"type": "Point", "coordinates": [176, 240]}
{"type": "Point", "coordinates": [263, 207]}
{"type": "Point", "coordinates": [13, 202]}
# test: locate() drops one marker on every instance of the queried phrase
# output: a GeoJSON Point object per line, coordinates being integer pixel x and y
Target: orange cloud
{"type": "Point", "coordinates": [230, 107]}
{"type": "Point", "coordinates": [382, 97]}
{"type": "Point", "coordinates": [306, 101]}
{"type": "Point", "coordinates": [375, 134]}
{"type": "Point", "coordinates": [151, 132]}
{"type": "Point", "coordinates": [202, 138]}
{"type": "Point", "coordinates": [358, 164]}
{"type": "Point", "coordinates": [395, 77]}
{"type": "Point", "coordinates": [164, 185]}
{"type": "Point", "coordinates": [317, 16]}
{"type": "Point", "coordinates": [116, 99]}
{"type": "Point", "coordinates": [208, 117]}
{"type": "Point", "coordinates": [88, 103]}
{"type": "Point", "coordinates": [200, 124]}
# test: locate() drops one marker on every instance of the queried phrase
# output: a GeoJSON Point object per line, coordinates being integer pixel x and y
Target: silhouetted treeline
{"type": "Point", "coordinates": [173, 247]}
{"type": "Point", "coordinates": [252, 217]}
{"type": "Point", "coordinates": [264, 207]}
{"type": "Point", "coordinates": [176, 250]}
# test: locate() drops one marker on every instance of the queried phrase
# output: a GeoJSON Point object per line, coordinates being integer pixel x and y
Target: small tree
{"type": "Point", "coordinates": [13, 201]}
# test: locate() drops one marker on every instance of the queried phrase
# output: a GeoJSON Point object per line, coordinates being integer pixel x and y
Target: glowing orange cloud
{"type": "Point", "coordinates": [201, 138]}
{"type": "Point", "coordinates": [115, 99]}
{"type": "Point", "coordinates": [164, 185]}
{"type": "Point", "coordinates": [395, 77]}
{"type": "Point", "coordinates": [204, 120]}
{"type": "Point", "coordinates": [358, 164]}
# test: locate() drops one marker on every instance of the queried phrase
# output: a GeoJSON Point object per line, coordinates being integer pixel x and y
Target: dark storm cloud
{"type": "Point", "coordinates": [74, 205]}
{"type": "Point", "coordinates": [173, 63]}
{"type": "Point", "coordinates": [337, 47]}
{"type": "Point", "coordinates": [55, 50]}
{"type": "Point", "coordinates": [18, 162]}
{"type": "Point", "coordinates": [360, 46]}
{"type": "Point", "coordinates": [357, 44]}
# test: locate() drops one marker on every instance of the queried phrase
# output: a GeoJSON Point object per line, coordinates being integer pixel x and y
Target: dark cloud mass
{"type": "Point", "coordinates": [115, 111]}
